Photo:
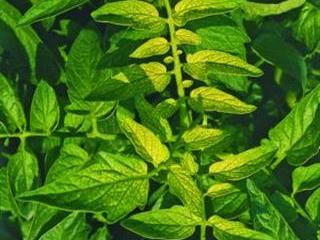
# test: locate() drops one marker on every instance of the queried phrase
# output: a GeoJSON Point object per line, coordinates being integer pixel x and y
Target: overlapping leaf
{"type": "Point", "coordinates": [115, 184]}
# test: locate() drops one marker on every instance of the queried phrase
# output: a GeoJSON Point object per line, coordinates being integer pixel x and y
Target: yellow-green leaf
{"type": "Point", "coordinates": [187, 10]}
{"type": "Point", "coordinates": [153, 47]}
{"type": "Point", "coordinates": [134, 13]}
{"type": "Point", "coordinates": [201, 137]}
{"type": "Point", "coordinates": [130, 81]}
{"type": "Point", "coordinates": [185, 36]}
{"type": "Point", "coordinates": [225, 229]}
{"type": "Point", "coordinates": [212, 99]}
{"type": "Point", "coordinates": [205, 62]}
{"type": "Point", "coordinates": [244, 164]}
{"type": "Point", "coordinates": [222, 189]}
{"type": "Point", "coordinates": [145, 142]}
{"type": "Point", "coordinates": [184, 187]}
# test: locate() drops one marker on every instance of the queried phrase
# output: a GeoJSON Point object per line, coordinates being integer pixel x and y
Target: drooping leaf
{"type": "Point", "coordinates": [212, 99]}
{"type": "Point", "coordinates": [313, 206]}
{"type": "Point", "coordinates": [187, 10]}
{"type": "Point", "coordinates": [145, 142]}
{"type": "Point", "coordinates": [185, 36]}
{"type": "Point", "coordinates": [115, 177]}
{"type": "Point", "coordinates": [72, 227]}
{"type": "Point", "coordinates": [200, 137]}
{"type": "Point", "coordinates": [266, 218]}
{"type": "Point", "coordinates": [153, 47]}
{"type": "Point", "coordinates": [22, 176]}
{"type": "Point", "coordinates": [174, 223]}
{"type": "Point", "coordinates": [307, 26]}
{"type": "Point", "coordinates": [244, 164]}
{"type": "Point", "coordinates": [297, 136]}
{"type": "Point", "coordinates": [134, 13]}
{"type": "Point", "coordinates": [282, 55]}
{"type": "Point", "coordinates": [306, 178]}
{"type": "Point", "coordinates": [183, 186]}
{"type": "Point", "coordinates": [231, 230]}
{"type": "Point", "coordinates": [45, 112]}
{"type": "Point", "coordinates": [266, 9]}
{"type": "Point", "coordinates": [30, 58]}
{"type": "Point", "coordinates": [201, 64]}
{"type": "Point", "coordinates": [127, 82]}
{"type": "Point", "coordinates": [10, 105]}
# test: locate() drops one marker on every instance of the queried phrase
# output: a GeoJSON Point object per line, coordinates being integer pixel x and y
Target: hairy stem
{"type": "Point", "coordinates": [184, 118]}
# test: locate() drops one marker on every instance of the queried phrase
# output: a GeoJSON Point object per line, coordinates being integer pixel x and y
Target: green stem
{"type": "Point", "coordinates": [203, 232]}
{"type": "Point", "coordinates": [184, 118]}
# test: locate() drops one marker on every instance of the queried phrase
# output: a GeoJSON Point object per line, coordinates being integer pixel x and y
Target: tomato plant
{"type": "Point", "coordinates": [159, 119]}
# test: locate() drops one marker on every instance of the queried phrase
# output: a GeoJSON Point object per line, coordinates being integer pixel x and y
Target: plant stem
{"type": "Point", "coordinates": [203, 232]}
{"type": "Point", "coordinates": [184, 118]}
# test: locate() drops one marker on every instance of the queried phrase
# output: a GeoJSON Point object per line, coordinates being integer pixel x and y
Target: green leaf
{"type": "Point", "coordinates": [185, 36]}
{"type": "Point", "coordinates": [145, 142]}
{"type": "Point", "coordinates": [223, 34]}
{"type": "Point", "coordinates": [266, 9]}
{"type": "Point", "coordinates": [282, 55]}
{"type": "Point", "coordinates": [49, 8]}
{"type": "Point", "coordinates": [297, 136]}
{"type": "Point", "coordinates": [187, 10]}
{"type": "Point", "coordinates": [115, 177]}
{"type": "Point", "coordinates": [183, 186]}
{"type": "Point", "coordinates": [152, 119]}
{"type": "Point", "coordinates": [201, 137]}
{"type": "Point", "coordinates": [174, 223]}
{"type": "Point", "coordinates": [167, 108]}
{"type": "Point", "coordinates": [189, 163]}
{"type": "Point", "coordinates": [221, 189]}
{"type": "Point", "coordinates": [244, 164]}
{"type": "Point", "coordinates": [134, 13]}
{"type": "Point", "coordinates": [231, 230]}
{"type": "Point", "coordinates": [10, 105]}
{"type": "Point", "coordinates": [211, 99]}
{"type": "Point", "coordinates": [30, 57]}
{"type": "Point", "coordinates": [71, 158]}
{"type": "Point", "coordinates": [23, 175]}
{"type": "Point", "coordinates": [202, 63]}
{"type": "Point", "coordinates": [153, 47]}
{"type": "Point", "coordinates": [286, 206]}
{"type": "Point", "coordinates": [130, 81]}
{"type": "Point", "coordinates": [313, 206]}
{"type": "Point", "coordinates": [306, 178]}
{"type": "Point", "coordinates": [44, 116]}
{"type": "Point", "coordinates": [307, 26]}
{"type": "Point", "coordinates": [266, 218]}
{"type": "Point", "coordinates": [72, 227]}
{"type": "Point", "coordinates": [227, 200]}
{"type": "Point", "coordinates": [4, 190]}
{"type": "Point", "coordinates": [83, 60]}
{"type": "Point", "coordinates": [43, 220]}
{"type": "Point", "coordinates": [101, 234]}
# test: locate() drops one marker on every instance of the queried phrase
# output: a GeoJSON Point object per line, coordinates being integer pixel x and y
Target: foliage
{"type": "Point", "coordinates": [159, 119]}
